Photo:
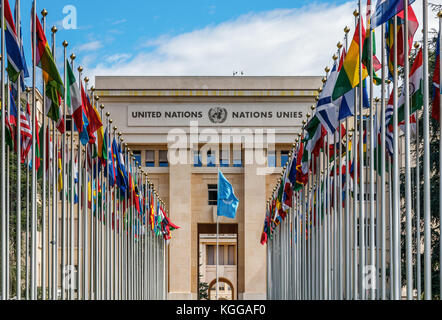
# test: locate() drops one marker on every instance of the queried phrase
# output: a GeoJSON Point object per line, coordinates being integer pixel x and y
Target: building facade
{"type": "Point", "coordinates": [182, 130]}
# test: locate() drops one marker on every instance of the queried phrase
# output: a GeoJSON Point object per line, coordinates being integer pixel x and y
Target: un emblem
{"type": "Point", "coordinates": [218, 115]}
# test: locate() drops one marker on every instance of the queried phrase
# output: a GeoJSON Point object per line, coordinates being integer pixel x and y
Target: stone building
{"type": "Point", "coordinates": [183, 130]}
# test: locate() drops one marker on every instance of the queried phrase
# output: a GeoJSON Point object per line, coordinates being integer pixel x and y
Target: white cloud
{"type": "Point", "coordinates": [90, 46]}
{"type": "Point", "coordinates": [118, 58]}
{"type": "Point", "coordinates": [279, 42]}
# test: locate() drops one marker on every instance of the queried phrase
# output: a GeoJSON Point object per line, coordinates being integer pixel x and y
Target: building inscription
{"type": "Point", "coordinates": [238, 114]}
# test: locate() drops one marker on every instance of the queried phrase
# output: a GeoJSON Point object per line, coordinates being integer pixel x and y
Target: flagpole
{"type": "Point", "coordinates": [383, 173]}
{"type": "Point", "coordinates": [396, 201]}
{"type": "Point", "coordinates": [372, 136]}
{"type": "Point", "coordinates": [8, 201]}
{"type": "Point", "coordinates": [18, 143]}
{"type": "Point", "coordinates": [28, 90]}
{"type": "Point", "coordinates": [427, 191]}
{"type": "Point", "coordinates": [217, 253]}
{"type": "Point", "coordinates": [80, 199]}
{"type": "Point", "coordinates": [34, 187]}
{"type": "Point", "coordinates": [44, 13]}
{"type": "Point", "coordinates": [409, 268]}
{"type": "Point", "coordinates": [63, 201]}
{"type": "Point", "coordinates": [439, 15]}
{"type": "Point", "coordinates": [418, 208]}
{"type": "Point", "coordinates": [72, 191]}
{"type": "Point", "coordinates": [3, 159]}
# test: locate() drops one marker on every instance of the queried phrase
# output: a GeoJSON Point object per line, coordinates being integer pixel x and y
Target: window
{"type": "Point", "coordinates": [271, 159]}
{"type": "Point", "coordinates": [237, 158]}
{"type": "Point", "coordinates": [367, 232]}
{"type": "Point", "coordinates": [284, 157]}
{"type": "Point", "coordinates": [163, 158]}
{"type": "Point", "coordinates": [225, 158]}
{"type": "Point", "coordinates": [210, 255]}
{"type": "Point", "coordinates": [137, 156]}
{"type": "Point", "coordinates": [231, 255]}
{"type": "Point", "coordinates": [213, 194]}
{"type": "Point", "coordinates": [211, 159]}
{"type": "Point", "coordinates": [68, 123]}
{"type": "Point", "coordinates": [150, 158]}
{"type": "Point", "coordinates": [197, 159]}
{"type": "Point", "coordinates": [220, 255]}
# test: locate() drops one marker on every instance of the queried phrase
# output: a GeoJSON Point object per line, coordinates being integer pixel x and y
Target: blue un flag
{"type": "Point", "coordinates": [227, 201]}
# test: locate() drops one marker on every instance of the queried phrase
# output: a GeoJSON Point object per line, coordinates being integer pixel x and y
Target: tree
{"type": "Point", "coordinates": [434, 187]}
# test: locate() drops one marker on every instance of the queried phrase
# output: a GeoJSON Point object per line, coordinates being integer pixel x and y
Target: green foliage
{"type": "Point", "coordinates": [434, 192]}
{"type": "Point", "coordinates": [12, 197]}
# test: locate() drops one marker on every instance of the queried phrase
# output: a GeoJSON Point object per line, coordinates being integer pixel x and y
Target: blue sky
{"type": "Point", "coordinates": [205, 37]}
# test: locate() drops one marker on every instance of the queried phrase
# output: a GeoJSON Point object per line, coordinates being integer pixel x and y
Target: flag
{"type": "Point", "coordinates": [385, 10]}
{"type": "Point", "coordinates": [315, 136]}
{"type": "Point", "coordinates": [15, 62]}
{"type": "Point", "coordinates": [51, 76]}
{"type": "Point", "coordinates": [299, 176]}
{"type": "Point", "coordinates": [26, 134]}
{"type": "Point", "coordinates": [152, 211]}
{"type": "Point", "coordinates": [73, 97]}
{"type": "Point", "coordinates": [389, 137]}
{"type": "Point", "coordinates": [60, 173]}
{"type": "Point", "coordinates": [9, 136]}
{"type": "Point", "coordinates": [366, 59]}
{"type": "Point", "coordinates": [347, 107]}
{"type": "Point", "coordinates": [122, 179]}
{"type": "Point", "coordinates": [437, 90]}
{"type": "Point", "coordinates": [287, 198]}
{"type": "Point", "coordinates": [416, 89]}
{"type": "Point", "coordinates": [227, 201]}
{"type": "Point", "coordinates": [327, 110]}
{"type": "Point", "coordinates": [94, 120]}
{"type": "Point", "coordinates": [349, 75]}
{"type": "Point", "coordinates": [111, 167]}
{"type": "Point", "coordinates": [100, 140]}
{"type": "Point", "coordinates": [413, 25]}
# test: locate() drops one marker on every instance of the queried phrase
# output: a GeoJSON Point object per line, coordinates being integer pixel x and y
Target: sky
{"type": "Point", "coordinates": [198, 37]}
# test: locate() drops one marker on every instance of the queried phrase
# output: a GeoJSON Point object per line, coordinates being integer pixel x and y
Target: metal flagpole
{"type": "Point", "coordinates": [408, 240]}
{"type": "Point", "coordinates": [383, 173]}
{"type": "Point", "coordinates": [34, 177]}
{"type": "Point", "coordinates": [85, 275]}
{"type": "Point", "coordinates": [418, 213]}
{"type": "Point", "coordinates": [18, 218]}
{"type": "Point", "coordinates": [361, 164]}
{"type": "Point", "coordinates": [439, 15]}
{"type": "Point", "coordinates": [45, 204]}
{"type": "Point", "coordinates": [217, 253]}
{"type": "Point", "coordinates": [427, 191]}
{"type": "Point", "coordinates": [8, 202]}
{"type": "Point", "coordinates": [396, 219]}
{"type": "Point", "coordinates": [372, 136]}
{"type": "Point", "coordinates": [72, 191]}
{"type": "Point", "coordinates": [63, 197]}
{"type": "Point", "coordinates": [28, 90]}
{"type": "Point", "coordinates": [3, 160]}
{"type": "Point", "coordinates": [54, 197]}
{"type": "Point", "coordinates": [80, 201]}
{"type": "Point", "coordinates": [347, 200]}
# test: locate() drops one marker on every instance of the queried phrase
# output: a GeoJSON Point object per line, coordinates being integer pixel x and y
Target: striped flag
{"type": "Point", "coordinates": [328, 110]}
{"type": "Point", "coordinates": [51, 76]}
{"type": "Point", "coordinates": [349, 75]}
{"type": "Point", "coordinates": [15, 62]}
{"type": "Point", "coordinates": [385, 10]}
